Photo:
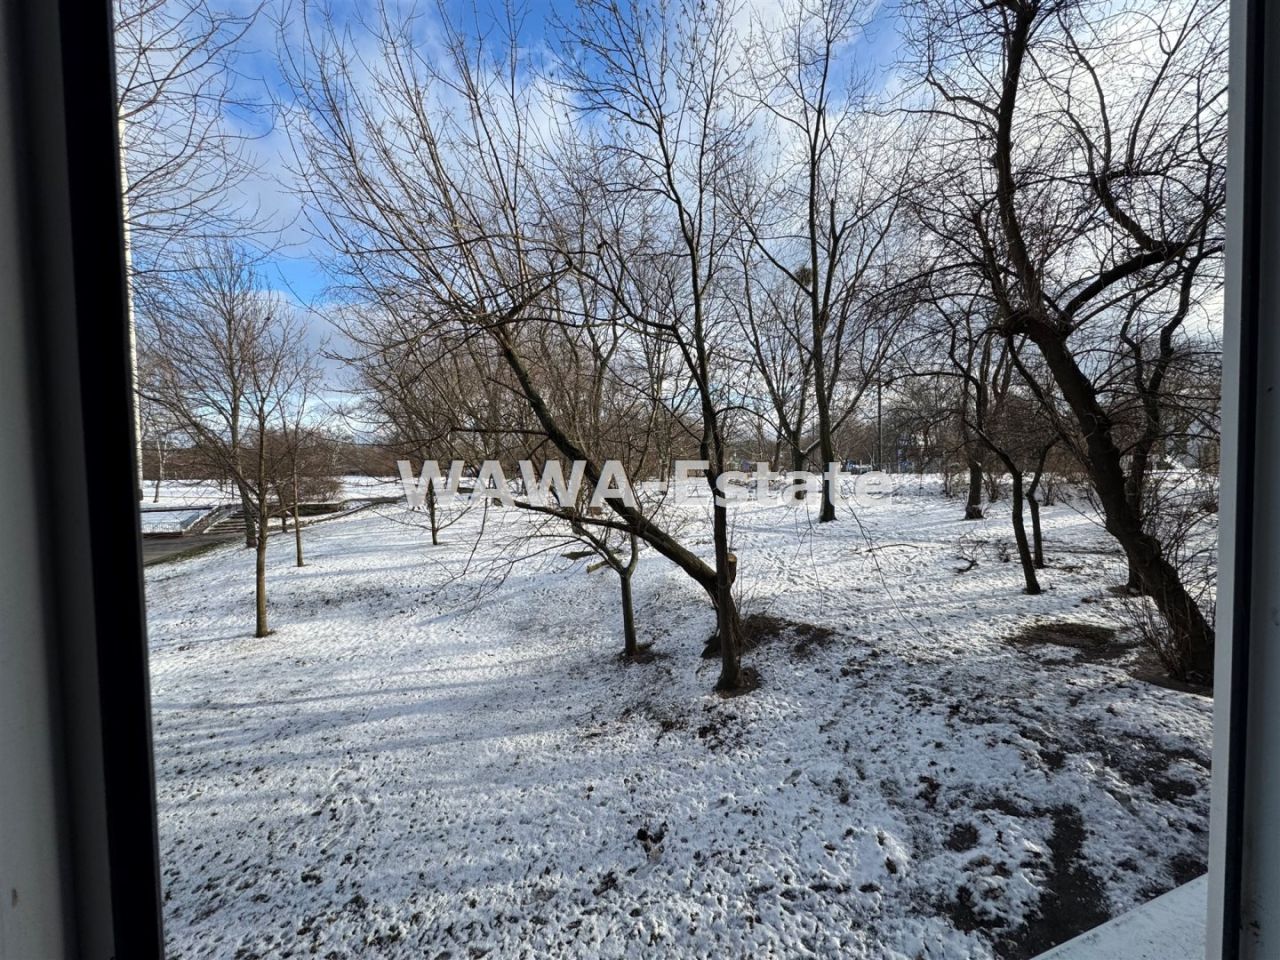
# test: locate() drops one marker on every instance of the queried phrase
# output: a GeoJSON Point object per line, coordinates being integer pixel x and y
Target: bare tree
{"type": "Point", "coordinates": [160, 430]}
{"type": "Point", "coordinates": [823, 220]}
{"type": "Point", "coordinates": [985, 360]}
{"type": "Point", "coordinates": [771, 317]}
{"type": "Point", "coordinates": [426, 174]}
{"type": "Point", "coordinates": [301, 435]}
{"type": "Point", "coordinates": [181, 152]}
{"type": "Point", "coordinates": [617, 550]}
{"type": "Point", "coordinates": [228, 355]}
{"type": "Point", "coordinates": [1078, 172]}
{"type": "Point", "coordinates": [662, 77]}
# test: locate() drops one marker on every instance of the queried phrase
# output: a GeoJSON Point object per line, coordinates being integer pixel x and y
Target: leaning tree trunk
{"type": "Point", "coordinates": [716, 582]}
{"type": "Point", "coordinates": [1150, 441]}
{"type": "Point", "coordinates": [1158, 578]}
{"type": "Point", "coordinates": [1037, 539]}
{"type": "Point", "coordinates": [1033, 501]}
{"type": "Point", "coordinates": [1020, 532]}
{"type": "Point", "coordinates": [1135, 491]}
{"type": "Point", "coordinates": [1191, 631]}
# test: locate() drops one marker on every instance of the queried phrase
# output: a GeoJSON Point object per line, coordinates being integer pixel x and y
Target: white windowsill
{"type": "Point", "coordinates": [1170, 927]}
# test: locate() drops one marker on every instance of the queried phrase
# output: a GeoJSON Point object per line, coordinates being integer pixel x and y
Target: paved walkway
{"type": "Point", "coordinates": [158, 549]}
{"type": "Point", "coordinates": [155, 549]}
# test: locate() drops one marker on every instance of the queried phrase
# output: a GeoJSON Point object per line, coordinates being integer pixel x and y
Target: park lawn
{"type": "Point", "coordinates": [437, 754]}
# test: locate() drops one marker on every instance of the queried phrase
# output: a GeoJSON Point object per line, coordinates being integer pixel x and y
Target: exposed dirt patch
{"type": "Point", "coordinates": [1050, 749]}
{"type": "Point", "coordinates": [661, 715]}
{"type": "Point", "coordinates": [1144, 762]}
{"type": "Point", "coordinates": [1149, 669]}
{"type": "Point", "coordinates": [963, 836]}
{"type": "Point", "coordinates": [749, 680]}
{"type": "Point", "coordinates": [644, 654]}
{"type": "Point", "coordinates": [1073, 898]}
{"type": "Point", "coordinates": [963, 912]}
{"type": "Point", "coordinates": [1002, 804]}
{"type": "Point", "coordinates": [1094, 643]}
{"type": "Point", "coordinates": [802, 638]}
{"type": "Point", "coordinates": [1185, 868]}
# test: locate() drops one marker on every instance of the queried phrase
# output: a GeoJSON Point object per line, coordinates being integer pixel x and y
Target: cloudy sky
{"type": "Point", "coordinates": [298, 267]}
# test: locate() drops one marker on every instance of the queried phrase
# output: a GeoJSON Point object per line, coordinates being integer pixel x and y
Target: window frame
{"type": "Point", "coordinates": [62, 71]}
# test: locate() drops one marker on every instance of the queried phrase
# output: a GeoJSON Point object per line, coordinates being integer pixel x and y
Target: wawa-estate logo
{"type": "Point", "coordinates": [552, 488]}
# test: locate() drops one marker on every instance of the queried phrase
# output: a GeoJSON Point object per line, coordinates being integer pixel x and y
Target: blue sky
{"type": "Point", "coordinates": [297, 267]}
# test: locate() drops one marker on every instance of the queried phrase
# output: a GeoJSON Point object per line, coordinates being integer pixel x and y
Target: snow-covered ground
{"type": "Point", "coordinates": [410, 767]}
{"type": "Point", "coordinates": [169, 521]}
{"type": "Point", "coordinates": [187, 493]}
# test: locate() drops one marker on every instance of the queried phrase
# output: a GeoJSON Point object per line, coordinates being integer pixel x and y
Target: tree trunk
{"type": "Point", "coordinates": [1191, 631]}
{"type": "Point", "coordinates": [973, 506]}
{"type": "Point", "coordinates": [263, 530]}
{"type": "Point", "coordinates": [1020, 534]}
{"type": "Point", "coordinates": [798, 459]}
{"type": "Point", "coordinates": [727, 624]}
{"type": "Point", "coordinates": [799, 462]}
{"type": "Point", "coordinates": [1037, 540]}
{"type": "Point", "coordinates": [250, 518]}
{"type": "Point", "coordinates": [297, 524]}
{"type": "Point", "coordinates": [1134, 489]}
{"type": "Point", "coordinates": [159, 472]}
{"type": "Point", "coordinates": [1033, 500]}
{"type": "Point", "coordinates": [260, 573]}
{"type": "Point", "coordinates": [993, 486]}
{"type": "Point", "coordinates": [1157, 577]}
{"type": "Point", "coordinates": [628, 614]}
{"type": "Point", "coordinates": [693, 565]}
{"type": "Point", "coordinates": [431, 515]}
{"type": "Point", "coordinates": [827, 512]}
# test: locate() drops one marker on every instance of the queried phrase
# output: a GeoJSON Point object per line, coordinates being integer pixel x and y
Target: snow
{"type": "Point", "coordinates": [1171, 927]}
{"type": "Point", "coordinates": [428, 760]}
{"type": "Point", "coordinates": [170, 521]}
{"type": "Point", "coordinates": [187, 493]}
{"type": "Point", "coordinates": [177, 494]}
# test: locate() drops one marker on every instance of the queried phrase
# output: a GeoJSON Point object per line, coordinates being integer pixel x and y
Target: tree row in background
{"type": "Point", "coordinates": [702, 230]}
